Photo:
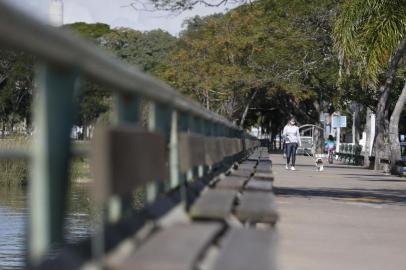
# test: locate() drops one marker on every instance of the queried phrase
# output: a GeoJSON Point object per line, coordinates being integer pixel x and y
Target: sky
{"type": "Point", "coordinates": [114, 13]}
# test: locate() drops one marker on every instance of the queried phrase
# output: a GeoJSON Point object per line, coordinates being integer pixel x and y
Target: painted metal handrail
{"type": "Point", "coordinates": [65, 58]}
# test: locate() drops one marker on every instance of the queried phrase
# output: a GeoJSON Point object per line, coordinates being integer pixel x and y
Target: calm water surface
{"type": "Point", "coordinates": [13, 220]}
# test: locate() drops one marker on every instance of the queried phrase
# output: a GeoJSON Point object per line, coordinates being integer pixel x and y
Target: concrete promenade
{"type": "Point", "coordinates": [343, 218]}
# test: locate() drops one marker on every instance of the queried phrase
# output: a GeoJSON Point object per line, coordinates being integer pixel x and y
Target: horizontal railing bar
{"type": "Point", "coordinates": [25, 154]}
{"type": "Point", "coordinates": [18, 30]}
{"type": "Point", "coordinates": [14, 154]}
{"type": "Point", "coordinates": [80, 150]}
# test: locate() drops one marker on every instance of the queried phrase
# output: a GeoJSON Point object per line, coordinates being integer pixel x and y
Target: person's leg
{"type": "Point", "coordinates": [294, 147]}
{"type": "Point", "coordinates": [288, 152]}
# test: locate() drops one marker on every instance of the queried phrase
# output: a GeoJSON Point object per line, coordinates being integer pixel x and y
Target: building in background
{"type": "Point", "coordinates": [56, 12]}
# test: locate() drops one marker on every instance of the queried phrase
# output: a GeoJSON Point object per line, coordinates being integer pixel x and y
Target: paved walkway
{"type": "Point", "coordinates": [343, 218]}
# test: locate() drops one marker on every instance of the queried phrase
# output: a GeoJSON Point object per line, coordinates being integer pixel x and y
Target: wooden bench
{"type": "Point", "coordinates": [256, 199]}
{"type": "Point", "coordinates": [172, 234]}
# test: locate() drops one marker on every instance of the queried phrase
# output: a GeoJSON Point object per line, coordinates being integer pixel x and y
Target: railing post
{"type": "Point", "coordinates": [183, 127]}
{"type": "Point", "coordinates": [159, 119]}
{"type": "Point", "coordinates": [174, 151]}
{"type": "Point", "coordinates": [54, 114]}
{"type": "Point", "coordinates": [127, 112]}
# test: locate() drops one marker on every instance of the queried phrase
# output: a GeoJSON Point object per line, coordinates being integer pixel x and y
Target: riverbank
{"type": "Point", "coordinates": [14, 173]}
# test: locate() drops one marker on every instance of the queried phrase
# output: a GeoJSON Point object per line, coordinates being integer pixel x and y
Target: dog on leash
{"type": "Point", "coordinates": [319, 164]}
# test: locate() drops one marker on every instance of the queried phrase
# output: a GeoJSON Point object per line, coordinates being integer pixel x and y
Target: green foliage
{"type": "Point", "coordinates": [367, 34]}
{"type": "Point", "coordinates": [274, 47]}
{"type": "Point", "coordinates": [89, 31]}
{"type": "Point", "coordinates": [145, 50]}
{"type": "Point", "coordinates": [16, 87]}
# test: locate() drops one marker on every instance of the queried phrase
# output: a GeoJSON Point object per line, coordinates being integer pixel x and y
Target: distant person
{"type": "Point", "coordinates": [330, 146]}
{"type": "Point", "coordinates": [291, 136]}
{"type": "Point", "coordinates": [330, 143]}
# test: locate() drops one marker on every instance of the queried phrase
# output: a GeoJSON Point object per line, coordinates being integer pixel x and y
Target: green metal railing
{"type": "Point", "coordinates": [63, 59]}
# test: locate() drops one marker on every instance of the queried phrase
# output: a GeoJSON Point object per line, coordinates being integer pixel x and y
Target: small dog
{"type": "Point", "coordinates": [319, 164]}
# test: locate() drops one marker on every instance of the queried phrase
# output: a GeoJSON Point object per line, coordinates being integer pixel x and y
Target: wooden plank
{"type": "Point", "coordinates": [213, 204]}
{"type": "Point", "coordinates": [174, 248]}
{"type": "Point", "coordinates": [264, 157]}
{"type": "Point", "coordinates": [264, 167]}
{"type": "Point", "coordinates": [220, 149]}
{"type": "Point", "coordinates": [126, 157]}
{"type": "Point", "coordinates": [247, 165]}
{"type": "Point", "coordinates": [239, 145]}
{"type": "Point", "coordinates": [242, 173]}
{"type": "Point", "coordinates": [191, 151]}
{"type": "Point", "coordinates": [232, 182]}
{"type": "Point", "coordinates": [257, 207]}
{"type": "Point", "coordinates": [258, 185]}
{"type": "Point", "coordinates": [264, 176]}
{"type": "Point", "coordinates": [211, 151]}
{"type": "Point", "coordinates": [228, 146]}
{"type": "Point", "coordinates": [246, 248]}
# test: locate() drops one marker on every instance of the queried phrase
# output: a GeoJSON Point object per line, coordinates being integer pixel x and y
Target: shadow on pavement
{"type": "Point", "coordinates": [338, 166]}
{"type": "Point", "coordinates": [379, 196]}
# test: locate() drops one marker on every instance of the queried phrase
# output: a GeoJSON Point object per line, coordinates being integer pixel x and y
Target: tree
{"type": "Point", "coordinates": [177, 6]}
{"type": "Point", "coordinates": [143, 49]}
{"type": "Point", "coordinates": [263, 48]}
{"type": "Point", "coordinates": [16, 89]}
{"type": "Point", "coordinates": [370, 37]}
{"type": "Point", "coordinates": [394, 127]}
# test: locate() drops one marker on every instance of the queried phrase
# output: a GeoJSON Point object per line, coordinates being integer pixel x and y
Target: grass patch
{"type": "Point", "coordinates": [14, 172]}
{"type": "Point", "coordinates": [80, 170]}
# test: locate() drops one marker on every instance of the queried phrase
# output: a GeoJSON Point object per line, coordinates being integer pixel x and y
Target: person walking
{"type": "Point", "coordinates": [292, 141]}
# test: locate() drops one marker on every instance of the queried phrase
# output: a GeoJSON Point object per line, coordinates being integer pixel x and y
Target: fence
{"type": "Point", "coordinates": [63, 60]}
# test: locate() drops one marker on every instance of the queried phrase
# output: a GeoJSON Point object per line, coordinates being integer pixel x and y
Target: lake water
{"type": "Point", "coordinates": [13, 220]}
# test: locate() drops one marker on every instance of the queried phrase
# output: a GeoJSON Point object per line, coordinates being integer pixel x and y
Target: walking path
{"type": "Point", "coordinates": [343, 218]}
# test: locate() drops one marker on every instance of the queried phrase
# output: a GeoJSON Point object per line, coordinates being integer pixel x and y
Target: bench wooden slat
{"type": "Point", "coordinates": [264, 176]}
{"type": "Point", "coordinates": [232, 182]}
{"type": "Point", "coordinates": [220, 148]}
{"type": "Point", "coordinates": [212, 153]}
{"type": "Point", "coordinates": [126, 157]}
{"type": "Point", "coordinates": [250, 165]}
{"type": "Point", "coordinates": [242, 173]}
{"type": "Point", "coordinates": [264, 167]}
{"type": "Point", "coordinates": [213, 204]}
{"type": "Point", "coordinates": [173, 248]}
{"type": "Point", "coordinates": [229, 146]}
{"type": "Point", "coordinates": [191, 151]}
{"type": "Point", "coordinates": [245, 248]}
{"type": "Point", "coordinates": [259, 185]}
{"type": "Point", "coordinates": [257, 207]}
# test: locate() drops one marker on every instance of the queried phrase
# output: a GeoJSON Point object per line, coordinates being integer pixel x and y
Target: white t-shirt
{"type": "Point", "coordinates": [291, 134]}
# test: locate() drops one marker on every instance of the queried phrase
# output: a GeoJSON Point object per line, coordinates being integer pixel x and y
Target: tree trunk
{"type": "Point", "coordinates": [356, 123]}
{"type": "Point", "coordinates": [207, 99]}
{"type": "Point", "coordinates": [394, 128]}
{"type": "Point", "coordinates": [367, 137]}
{"type": "Point", "coordinates": [382, 112]}
{"type": "Point", "coordinates": [244, 115]}
{"type": "Point", "coordinates": [319, 141]}
{"type": "Point", "coordinates": [318, 133]}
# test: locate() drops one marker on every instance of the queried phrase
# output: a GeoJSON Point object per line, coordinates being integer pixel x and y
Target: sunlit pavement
{"type": "Point", "coordinates": [342, 218]}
